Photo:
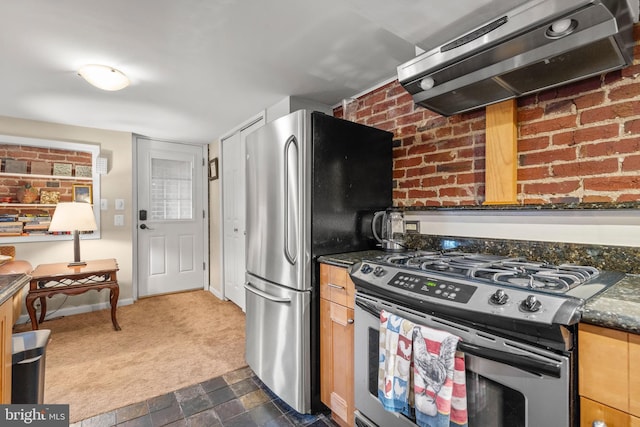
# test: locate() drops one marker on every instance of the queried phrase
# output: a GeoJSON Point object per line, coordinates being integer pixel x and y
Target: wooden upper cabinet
{"type": "Point", "coordinates": [501, 167]}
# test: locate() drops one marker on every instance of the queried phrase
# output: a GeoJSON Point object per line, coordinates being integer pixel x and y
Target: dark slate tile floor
{"type": "Point", "coordinates": [238, 398]}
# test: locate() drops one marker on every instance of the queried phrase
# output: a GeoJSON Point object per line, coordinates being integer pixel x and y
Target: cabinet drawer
{"type": "Point", "coordinates": [604, 366]}
{"type": "Point", "coordinates": [336, 285]}
{"type": "Point", "coordinates": [591, 411]}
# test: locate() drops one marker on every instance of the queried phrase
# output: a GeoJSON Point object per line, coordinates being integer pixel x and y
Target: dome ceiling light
{"type": "Point", "coordinates": [104, 77]}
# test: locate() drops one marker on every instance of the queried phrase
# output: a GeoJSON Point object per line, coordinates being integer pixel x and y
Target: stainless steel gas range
{"type": "Point", "coordinates": [516, 319]}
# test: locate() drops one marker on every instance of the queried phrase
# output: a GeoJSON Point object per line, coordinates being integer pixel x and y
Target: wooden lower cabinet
{"type": "Point", "coordinates": [634, 376]}
{"type": "Point", "coordinates": [336, 343]}
{"type": "Point", "coordinates": [6, 327]}
{"type": "Point", "coordinates": [591, 411]}
{"type": "Point", "coordinates": [609, 377]}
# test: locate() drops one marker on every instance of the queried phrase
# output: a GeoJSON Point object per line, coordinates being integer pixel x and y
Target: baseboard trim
{"type": "Point", "coordinates": [69, 311]}
{"type": "Point", "coordinates": [216, 293]}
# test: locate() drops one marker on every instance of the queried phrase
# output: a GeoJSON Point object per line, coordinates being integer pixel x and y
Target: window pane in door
{"type": "Point", "coordinates": [171, 190]}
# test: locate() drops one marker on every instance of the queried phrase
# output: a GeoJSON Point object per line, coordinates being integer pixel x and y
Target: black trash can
{"type": "Point", "coordinates": [27, 371]}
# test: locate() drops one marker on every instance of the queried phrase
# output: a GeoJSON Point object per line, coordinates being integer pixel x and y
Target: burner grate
{"type": "Point", "coordinates": [494, 269]}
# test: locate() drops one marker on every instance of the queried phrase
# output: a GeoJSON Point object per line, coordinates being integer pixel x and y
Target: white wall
{"type": "Point", "coordinates": [115, 242]}
{"type": "Point", "coordinates": [616, 227]}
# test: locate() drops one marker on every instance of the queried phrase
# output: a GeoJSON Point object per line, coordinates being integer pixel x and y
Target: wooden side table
{"type": "Point", "coordinates": [52, 279]}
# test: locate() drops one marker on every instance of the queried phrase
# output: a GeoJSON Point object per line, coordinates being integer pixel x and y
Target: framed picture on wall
{"type": "Point", "coordinates": [213, 169]}
{"type": "Point", "coordinates": [82, 193]}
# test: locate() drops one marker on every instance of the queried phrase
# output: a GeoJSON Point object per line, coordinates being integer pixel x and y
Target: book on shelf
{"type": "Point", "coordinates": [33, 217]}
{"type": "Point", "coordinates": [35, 232]}
{"type": "Point", "coordinates": [36, 226]}
{"type": "Point", "coordinates": [8, 217]}
{"type": "Point", "coordinates": [10, 227]}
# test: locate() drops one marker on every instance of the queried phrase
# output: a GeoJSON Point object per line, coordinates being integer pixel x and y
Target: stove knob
{"type": "Point", "coordinates": [379, 272]}
{"type": "Point", "coordinates": [499, 297]}
{"type": "Point", "coordinates": [530, 304]}
{"type": "Point", "coordinates": [366, 269]}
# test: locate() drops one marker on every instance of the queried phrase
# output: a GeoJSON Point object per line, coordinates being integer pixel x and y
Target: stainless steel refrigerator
{"type": "Point", "coordinates": [313, 181]}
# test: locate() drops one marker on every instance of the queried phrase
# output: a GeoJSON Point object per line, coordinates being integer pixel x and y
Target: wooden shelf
{"type": "Point", "coordinates": [69, 153]}
{"type": "Point", "coordinates": [28, 205]}
{"type": "Point", "coordinates": [60, 177]}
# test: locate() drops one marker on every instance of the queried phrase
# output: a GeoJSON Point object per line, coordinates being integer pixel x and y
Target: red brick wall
{"type": "Point", "coordinates": [578, 143]}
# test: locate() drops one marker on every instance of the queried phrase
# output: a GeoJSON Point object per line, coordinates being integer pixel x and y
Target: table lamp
{"type": "Point", "coordinates": [76, 217]}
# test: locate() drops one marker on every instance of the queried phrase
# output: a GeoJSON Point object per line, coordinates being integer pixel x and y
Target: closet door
{"type": "Point", "coordinates": [233, 212]}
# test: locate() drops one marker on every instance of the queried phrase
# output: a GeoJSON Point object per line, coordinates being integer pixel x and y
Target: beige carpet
{"type": "Point", "coordinates": [166, 343]}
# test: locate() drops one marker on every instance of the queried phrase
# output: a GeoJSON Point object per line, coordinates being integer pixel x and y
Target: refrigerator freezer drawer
{"type": "Point", "coordinates": [278, 340]}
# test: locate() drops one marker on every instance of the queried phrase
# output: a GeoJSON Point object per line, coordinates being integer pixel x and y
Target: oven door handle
{"type": "Point", "coordinates": [538, 367]}
{"type": "Point", "coordinates": [524, 363]}
{"type": "Point", "coordinates": [372, 310]}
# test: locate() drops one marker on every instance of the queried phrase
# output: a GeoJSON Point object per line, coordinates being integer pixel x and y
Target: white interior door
{"type": "Point", "coordinates": [233, 203]}
{"type": "Point", "coordinates": [171, 232]}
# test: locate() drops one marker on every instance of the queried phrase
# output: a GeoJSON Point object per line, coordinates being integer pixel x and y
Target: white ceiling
{"type": "Point", "coordinates": [199, 68]}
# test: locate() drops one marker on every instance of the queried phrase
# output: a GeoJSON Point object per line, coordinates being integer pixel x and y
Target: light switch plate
{"type": "Point", "coordinates": [118, 220]}
{"type": "Point", "coordinates": [104, 204]}
{"type": "Point", "coordinates": [119, 204]}
{"type": "Point", "coordinates": [101, 165]}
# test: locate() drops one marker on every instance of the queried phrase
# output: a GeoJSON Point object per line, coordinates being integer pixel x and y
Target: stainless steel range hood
{"type": "Point", "coordinates": [535, 46]}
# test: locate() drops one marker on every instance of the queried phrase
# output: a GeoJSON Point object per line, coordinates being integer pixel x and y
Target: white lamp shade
{"type": "Point", "coordinates": [73, 216]}
{"type": "Point", "coordinates": [104, 77]}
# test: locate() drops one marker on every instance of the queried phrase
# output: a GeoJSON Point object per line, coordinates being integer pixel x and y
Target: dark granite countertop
{"type": "Point", "coordinates": [10, 284]}
{"type": "Point", "coordinates": [618, 307]}
{"type": "Point", "coordinates": [349, 258]}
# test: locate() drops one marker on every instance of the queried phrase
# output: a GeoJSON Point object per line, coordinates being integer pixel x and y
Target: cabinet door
{"type": "Point", "coordinates": [591, 411]}
{"type": "Point", "coordinates": [342, 399]}
{"type": "Point", "coordinates": [634, 376]}
{"type": "Point", "coordinates": [635, 422]}
{"type": "Point", "coordinates": [326, 352]}
{"type": "Point", "coordinates": [6, 325]}
{"type": "Point", "coordinates": [603, 366]}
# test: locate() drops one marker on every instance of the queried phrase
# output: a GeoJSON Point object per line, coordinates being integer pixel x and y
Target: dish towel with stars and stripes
{"type": "Point", "coordinates": [394, 373]}
{"type": "Point", "coordinates": [439, 379]}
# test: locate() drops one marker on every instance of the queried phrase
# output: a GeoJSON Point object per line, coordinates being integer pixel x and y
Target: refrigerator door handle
{"type": "Point", "coordinates": [248, 286]}
{"type": "Point", "coordinates": [291, 258]}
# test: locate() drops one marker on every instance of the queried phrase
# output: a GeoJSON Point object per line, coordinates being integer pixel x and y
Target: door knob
{"type": "Point", "coordinates": [145, 227]}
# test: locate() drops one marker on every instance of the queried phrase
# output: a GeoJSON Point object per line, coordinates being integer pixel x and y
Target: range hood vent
{"type": "Point", "coordinates": [536, 46]}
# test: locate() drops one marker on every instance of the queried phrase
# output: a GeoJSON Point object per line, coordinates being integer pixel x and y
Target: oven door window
{"type": "Point", "coordinates": [493, 404]}
{"type": "Point", "coordinates": [488, 402]}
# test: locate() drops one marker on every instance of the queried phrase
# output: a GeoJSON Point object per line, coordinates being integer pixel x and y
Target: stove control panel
{"type": "Point", "coordinates": [436, 288]}
{"type": "Point", "coordinates": [465, 294]}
